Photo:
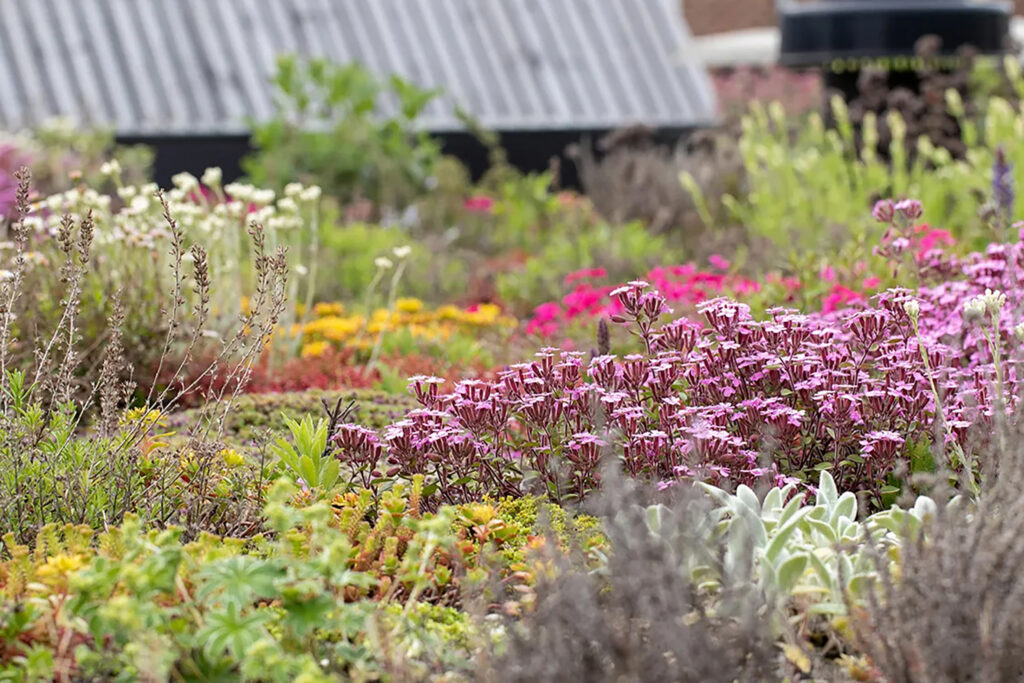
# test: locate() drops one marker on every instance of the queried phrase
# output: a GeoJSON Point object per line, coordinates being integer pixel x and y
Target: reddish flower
{"type": "Point", "coordinates": [479, 204]}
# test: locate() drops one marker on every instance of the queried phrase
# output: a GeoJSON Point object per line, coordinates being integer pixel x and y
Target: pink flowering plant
{"type": "Point", "coordinates": [730, 399]}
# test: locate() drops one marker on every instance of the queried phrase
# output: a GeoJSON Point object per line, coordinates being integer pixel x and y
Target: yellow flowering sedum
{"type": "Point", "coordinates": [332, 329]}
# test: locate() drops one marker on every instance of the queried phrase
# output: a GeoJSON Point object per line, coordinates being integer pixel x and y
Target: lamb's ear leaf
{"type": "Point", "coordinates": [749, 498]}
{"type": "Point", "coordinates": [846, 507]}
{"type": "Point", "coordinates": [790, 572]}
{"type": "Point", "coordinates": [828, 494]}
{"type": "Point", "coordinates": [782, 536]}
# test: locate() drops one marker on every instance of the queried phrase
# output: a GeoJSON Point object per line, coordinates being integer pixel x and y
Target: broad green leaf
{"type": "Point", "coordinates": [824, 528]}
{"type": "Point", "coordinates": [791, 509]}
{"type": "Point", "coordinates": [790, 572]}
{"type": "Point", "coordinates": [846, 507]}
{"type": "Point", "coordinates": [828, 495]}
{"type": "Point", "coordinates": [772, 502]}
{"type": "Point", "coordinates": [824, 575]}
{"type": "Point", "coordinates": [828, 608]}
{"type": "Point", "coordinates": [747, 496]}
{"type": "Point", "coordinates": [782, 536]}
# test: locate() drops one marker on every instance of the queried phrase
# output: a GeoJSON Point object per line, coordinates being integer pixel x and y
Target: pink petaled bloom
{"type": "Point", "coordinates": [910, 208]}
{"type": "Point", "coordinates": [932, 238]}
{"type": "Point", "coordinates": [585, 274]}
{"type": "Point", "coordinates": [479, 204]}
{"type": "Point", "coordinates": [828, 274]}
{"type": "Point", "coordinates": [871, 282]}
{"type": "Point", "coordinates": [547, 312]}
{"type": "Point", "coordinates": [884, 211]}
{"type": "Point", "coordinates": [881, 444]}
{"type": "Point", "coordinates": [629, 287]}
{"type": "Point", "coordinates": [719, 261]}
{"type": "Point", "coordinates": [840, 297]}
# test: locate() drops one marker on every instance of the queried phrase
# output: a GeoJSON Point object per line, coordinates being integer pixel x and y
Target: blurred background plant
{"type": "Point", "coordinates": [330, 128]}
{"type": "Point", "coordinates": [61, 155]}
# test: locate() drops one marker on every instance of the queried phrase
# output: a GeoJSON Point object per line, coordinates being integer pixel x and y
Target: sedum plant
{"type": "Point", "coordinates": [338, 590]}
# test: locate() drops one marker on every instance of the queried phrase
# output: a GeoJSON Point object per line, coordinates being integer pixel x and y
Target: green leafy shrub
{"type": "Point", "coordinates": [328, 129]}
{"type": "Point", "coordinates": [810, 186]}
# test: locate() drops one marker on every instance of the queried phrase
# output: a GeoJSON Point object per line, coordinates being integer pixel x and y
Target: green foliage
{"type": "Point", "coordinates": [329, 127]}
{"type": "Point", "coordinates": [626, 252]}
{"type": "Point", "coordinates": [357, 245]}
{"type": "Point", "coordinates": [61, 155]}
{"type": "Point", "coordinates": [811, 187]}
{"type": "Point", "coordinates": [141, 600]}
{"type": "Point", "coordinates": [306, 456]}
{"type": "Point", "coordinates": [253, 414]}
{"type": "Point", "coordinates": [815, 554]}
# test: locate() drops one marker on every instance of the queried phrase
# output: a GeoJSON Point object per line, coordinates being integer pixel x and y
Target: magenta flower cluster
{"type": "Point", "coordinates": [726, 398]}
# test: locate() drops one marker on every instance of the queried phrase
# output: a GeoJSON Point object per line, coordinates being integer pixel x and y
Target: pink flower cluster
{"type": "Point", "coordinates": [725, 397]}
{"type": "Point", "coordinates": [682, 286]}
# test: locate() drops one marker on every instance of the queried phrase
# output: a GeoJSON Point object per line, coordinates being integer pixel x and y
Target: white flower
{"type": "Point", "coordinates": [383, 262]}
{"type": "Point", "coordinates": [974, 309]}
{"type": "Point", "coordinates": [239, 191]}
{"type": "Point", "coordinates": [186, 182]}
{"type": "Point", "coordinates": [140, 204]}
{"type": "Point", "coordinates": [1018, 332]}
{"type": "Point", "coordinates": [212, 176]}
{"type": "Point", "coordinates": [111, 167]}
{"type": "Point", "coordinates": [912, 309]}
{"type": "Point", "coordinates": [293, 190]}
{"type": "Point", "coordinates": [994, 301]}
{"type": "Point", "coordinates": [263, 215]}
{"type": "Point", "coordinates": [287, 204]}
{"type": "Point", "coordinates": [402, 251]}
{"type": "Point", "coordinates": [301, 269]}
{"type": "Point", "coordinates": [283, 223]}
{"type": "Point", "coordinates": [310, 194]}
{"type": "Point", "coordinates": [6, 275]}
{"type": "Point", "coordinates": [262, 196]}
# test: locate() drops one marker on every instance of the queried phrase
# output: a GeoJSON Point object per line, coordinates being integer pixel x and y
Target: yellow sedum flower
{"type": "Point", "coordinates": [328, 308]}
{"type": "Point", "coordinates": [331, 328]}
{"type": "Point", "coordinates": [232, 458]}
{"type": "Point", "coordinates": [315, 349]}
{"type": "Point", "coordinates": [408, 305]}
{"type": "Point", "coordinates": [56, 570]}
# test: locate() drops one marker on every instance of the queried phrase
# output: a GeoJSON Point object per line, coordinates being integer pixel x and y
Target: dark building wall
{"type": "Point", "coordinates": [529, 151]}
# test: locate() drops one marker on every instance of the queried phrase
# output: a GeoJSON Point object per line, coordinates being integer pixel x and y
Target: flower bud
{"type": "Point", "coordinates": [884, 211]}
{"type": "Point", "coordinates": [912, 309]}
{"type": "Point", "coordinates": [910, 208]}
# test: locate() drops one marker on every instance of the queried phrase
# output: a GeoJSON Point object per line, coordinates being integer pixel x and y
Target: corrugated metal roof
{"type": "Point", "coordinates": [190, 67]}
